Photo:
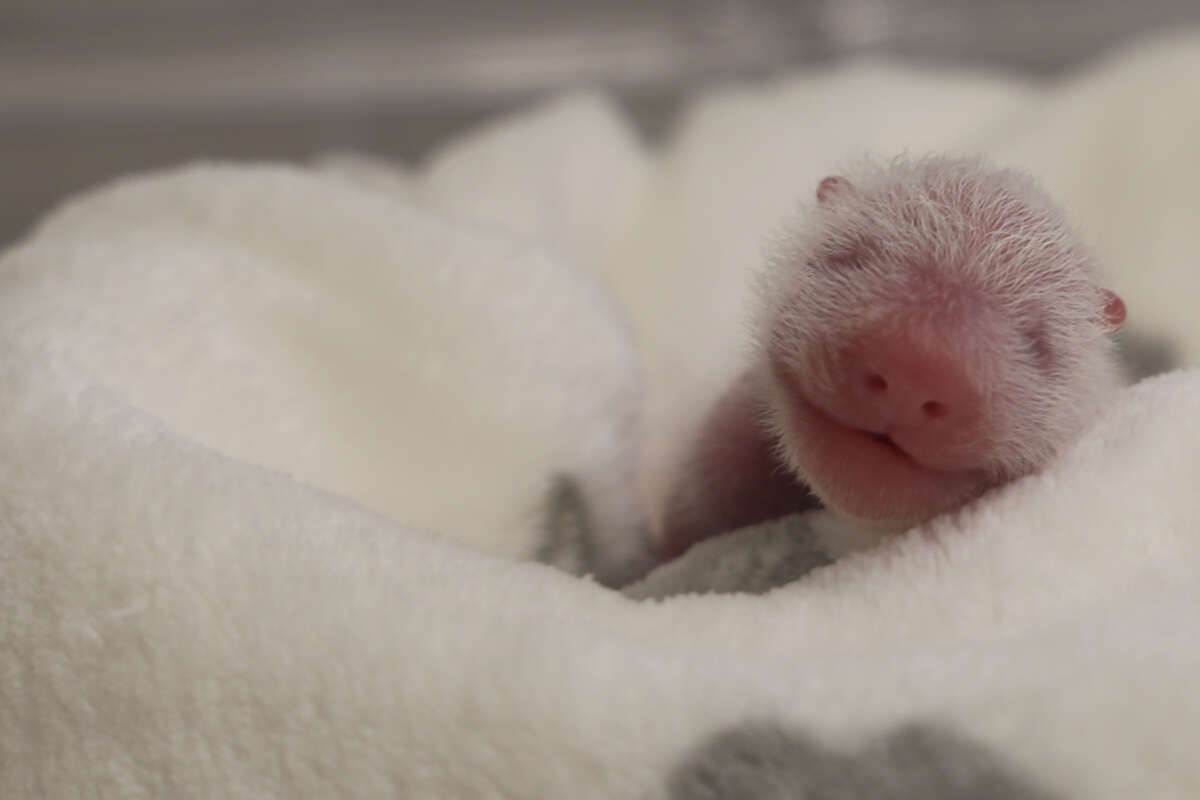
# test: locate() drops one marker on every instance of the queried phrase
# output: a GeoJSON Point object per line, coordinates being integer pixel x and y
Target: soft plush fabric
{"type": "Point", "coordinates": [281, 447]}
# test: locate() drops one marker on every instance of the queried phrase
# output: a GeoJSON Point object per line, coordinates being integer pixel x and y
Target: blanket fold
{"type": "Point", "coordinates": [280, 447]}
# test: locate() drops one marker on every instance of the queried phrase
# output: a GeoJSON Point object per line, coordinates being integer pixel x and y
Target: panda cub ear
{"type": "Point", "coordinates": [830, 187]}
{"type": "Point", "coordinates": [1114, 310]}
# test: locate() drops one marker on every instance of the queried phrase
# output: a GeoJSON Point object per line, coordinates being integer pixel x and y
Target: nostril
{"type": "Point", "coordinates": [875, 383]}
{"type": "Point", "coordinates": [934, 410]}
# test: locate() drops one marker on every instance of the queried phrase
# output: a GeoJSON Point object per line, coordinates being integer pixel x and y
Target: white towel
{"type": "Point", "coordinates": [276, 445]}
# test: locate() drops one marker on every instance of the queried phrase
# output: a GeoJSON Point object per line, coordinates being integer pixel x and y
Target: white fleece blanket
{"type": "Point", "coordinates": [278, 446]}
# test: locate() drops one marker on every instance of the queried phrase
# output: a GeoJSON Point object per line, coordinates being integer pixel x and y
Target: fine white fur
{"type": "Point", "coordinates": [224, 390]}
{"type": "Point", "coordinates": [977, 259]}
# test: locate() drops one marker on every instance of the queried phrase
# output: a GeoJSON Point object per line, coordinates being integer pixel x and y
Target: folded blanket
{"type": "Point", "coordinates": [280, 446]}
{"type": "Point", "coordinates": [444, 379]}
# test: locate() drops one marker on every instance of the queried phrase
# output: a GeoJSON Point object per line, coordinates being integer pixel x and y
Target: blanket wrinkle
{"type": "Point", "coordinates": [280, 444]}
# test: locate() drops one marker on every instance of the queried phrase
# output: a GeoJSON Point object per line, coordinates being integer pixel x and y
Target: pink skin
{"type": "Point", "coordinates": [736, 477]}
{"type": "Point", "coordinates": [904, 420]}
{"type": "Point", "coordinates": [904, 414]}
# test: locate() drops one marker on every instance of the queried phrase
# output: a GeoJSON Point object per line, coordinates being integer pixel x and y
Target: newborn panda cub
{"type": "Point", "coordinates": [929, 330]}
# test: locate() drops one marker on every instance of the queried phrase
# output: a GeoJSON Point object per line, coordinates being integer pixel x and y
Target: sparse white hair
{"type": "Point", "coordinates": [941, 242]}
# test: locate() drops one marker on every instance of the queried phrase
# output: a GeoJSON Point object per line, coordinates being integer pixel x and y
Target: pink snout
{"type": "Point", "coordinates": [917, 393]}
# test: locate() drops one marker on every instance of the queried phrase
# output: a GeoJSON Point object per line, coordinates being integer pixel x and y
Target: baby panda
{"type": "Point", "coordinates": [928, 330]}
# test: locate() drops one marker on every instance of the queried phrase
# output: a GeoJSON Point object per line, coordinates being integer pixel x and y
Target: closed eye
{"type": "Point", "coordinates": [844, 260]}
{"type": "Point", "coordinates": [846, 254]}
{"type": "Point", "coordinates": [1038, 347]}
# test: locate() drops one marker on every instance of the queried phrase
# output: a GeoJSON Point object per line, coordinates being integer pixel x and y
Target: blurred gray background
{"type": "Point", "coordinates": [92, 89]}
